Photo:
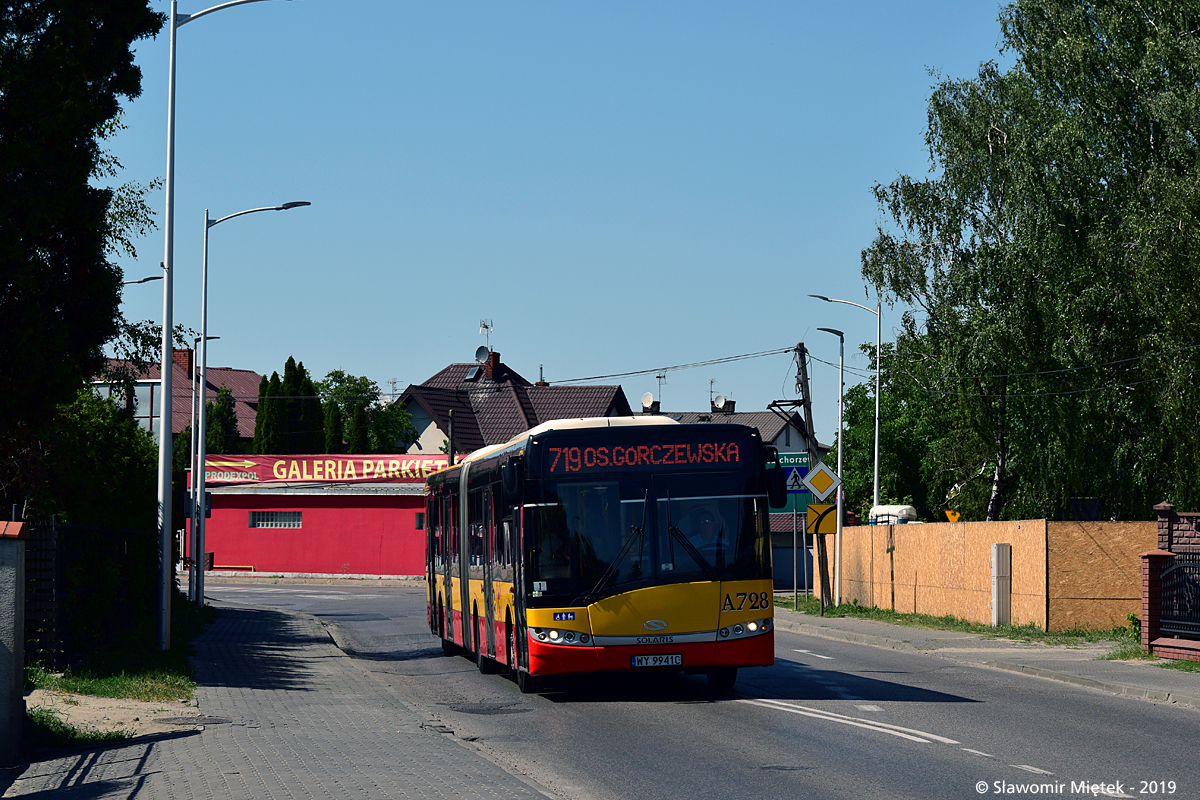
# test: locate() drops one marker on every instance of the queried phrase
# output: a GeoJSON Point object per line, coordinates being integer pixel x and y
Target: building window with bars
{"type": "Point", "coordinates": [275, 519]}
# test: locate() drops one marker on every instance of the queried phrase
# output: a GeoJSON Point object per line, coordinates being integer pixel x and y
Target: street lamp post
{"type": "Point", "coordinates": [878, 312]}
{"type": "Point", "coordinates": [192, 482]}
{"type": "Point", "coordinates": [166, 567]}
{"type": "Point", "coordinates": [837, 555]}
{"type": "Point", "coordinates": [199, 504]}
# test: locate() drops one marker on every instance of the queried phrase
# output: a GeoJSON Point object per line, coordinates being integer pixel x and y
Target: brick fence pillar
{"type": "Point", "coordinates": [1153, 564]}
{"type": "Point", "coordinates": [1165, 513]}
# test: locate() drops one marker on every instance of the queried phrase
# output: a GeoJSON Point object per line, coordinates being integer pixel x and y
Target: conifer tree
{"type": "Point", "coordinates": [310, 415]}
{"type": "Point", "coordinates": [260, 416]}
{"type": "Point", "coordinates": [289, 410]}
{"type": "Point", "coordinates": [221, 433]}
{"type": "Point", "coordinates": [269, 416]}
{"type": "Point", "coordinates": [333, 428]}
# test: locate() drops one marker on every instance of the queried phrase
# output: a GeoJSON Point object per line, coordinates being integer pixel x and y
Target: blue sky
{"type": "Point", "coordinates": [618, 186]}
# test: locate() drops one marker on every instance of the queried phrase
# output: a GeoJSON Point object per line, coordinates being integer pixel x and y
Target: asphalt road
{"type": "Point", "coordinates": [830, 720]}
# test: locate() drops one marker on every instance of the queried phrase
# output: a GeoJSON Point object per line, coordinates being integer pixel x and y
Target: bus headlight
{"type": "Point", "coordinates": [724, 633]}
{"type": "Point", "coordinates": [738, 630]}
{"type": "Point", "coordinates": [569, 636]}
{"type": "Point", "coordinates": [752, 627]}
{"type": "Point", "coordinates": [554, 636]}
{"type": "Point", "coordinates": [584, 638]}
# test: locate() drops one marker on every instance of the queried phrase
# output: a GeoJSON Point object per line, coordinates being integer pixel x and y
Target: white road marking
{"type": "Point", "coordinates": [979, 753]}
{"type": "Point", "coordinates": [1034, 770]}
{"type": "Point", "coordinates": [869, 708]}
{"type": "Point", "coordinates": [882, 727]}
{"type": "Point", "coordinates": [814, 655]}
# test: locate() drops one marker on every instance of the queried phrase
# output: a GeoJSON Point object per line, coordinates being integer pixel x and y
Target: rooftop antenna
{"type": "Point", "coordinates": [486, 327]}
{"type": "Point", "coordinates": [711, 383]}
{"type": "Point", "coordinates": [661, 377]}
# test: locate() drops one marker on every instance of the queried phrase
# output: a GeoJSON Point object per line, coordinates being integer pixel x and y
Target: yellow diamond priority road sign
{"type": "Point", "coordinates": [822, 480]}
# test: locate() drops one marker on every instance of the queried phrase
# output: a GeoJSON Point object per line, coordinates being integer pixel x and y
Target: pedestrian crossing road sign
{"type": "Point", "coordinates": [795, 482]}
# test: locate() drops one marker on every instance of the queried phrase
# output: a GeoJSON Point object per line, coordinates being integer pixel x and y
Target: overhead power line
{"type": "Point", "coordinates": [692, 365]}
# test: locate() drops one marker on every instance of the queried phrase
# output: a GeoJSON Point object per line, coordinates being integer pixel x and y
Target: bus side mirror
{"type": "Point", "coordinates": [776, 482]}
{"type": "Point", "coordinates": [510, 479]}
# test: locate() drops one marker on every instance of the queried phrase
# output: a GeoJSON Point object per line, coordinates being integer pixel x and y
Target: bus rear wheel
{"type": "Point", "coordinates": [721, 679]}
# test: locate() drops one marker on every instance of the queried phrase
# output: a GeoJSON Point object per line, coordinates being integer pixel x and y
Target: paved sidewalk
{"type": "Point", "coordinates": [1077, 665]}
{"type": "Point", "coordinates": [291, 717]}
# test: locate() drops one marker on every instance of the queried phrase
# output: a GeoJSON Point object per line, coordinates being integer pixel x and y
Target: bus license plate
{"type": "Point", "coordinates": [675, 660]}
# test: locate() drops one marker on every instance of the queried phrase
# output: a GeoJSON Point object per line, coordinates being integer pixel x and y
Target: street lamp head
{"type": "Point", "coordinates": [834, 331]}
{"type": "Point", "coordinates": [821, 297]}
{"type": "Point", "coordinates": [143, 280]}
{"type": "Point", "coordinates": [208, 338]}
{"type": "Point", "coordinates": [294, 204]}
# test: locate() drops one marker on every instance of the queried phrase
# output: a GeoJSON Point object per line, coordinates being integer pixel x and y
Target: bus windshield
{"type": "Point", "coordinates": [593, 538]}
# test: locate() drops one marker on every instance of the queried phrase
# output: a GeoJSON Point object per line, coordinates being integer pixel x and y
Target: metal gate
{"type": "Point", "coordinates": [1181, 597]}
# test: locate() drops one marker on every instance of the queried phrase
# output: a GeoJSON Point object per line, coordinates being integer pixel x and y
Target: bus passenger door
{"type": "Point", "coordinates": [489, 555]}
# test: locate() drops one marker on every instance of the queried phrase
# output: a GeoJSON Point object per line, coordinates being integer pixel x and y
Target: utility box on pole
{"type": "Point", "coordinates": [1001, 584]}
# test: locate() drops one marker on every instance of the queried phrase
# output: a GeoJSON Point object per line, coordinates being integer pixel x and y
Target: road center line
{"type": "Point", "coordinates": [883, 727]}
{"type": "Point", "coordinates": [979, 752]}
{"type": "Point", "coordinates": [828, 718]}
{"type": "Point", "coordinates": [814, 655]}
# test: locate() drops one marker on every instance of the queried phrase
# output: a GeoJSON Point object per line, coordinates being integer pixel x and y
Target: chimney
{"type": "Point", "coordinates": [185, 360]}
{"type": "Point", "coordinates": [492, 365]}
{"type": "Point", "coordinates": [541, 381]}
{"type": "Point", "coordinates": [725, 408]}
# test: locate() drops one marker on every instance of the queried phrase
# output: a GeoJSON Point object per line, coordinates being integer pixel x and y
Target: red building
{"type": "Point", "coordinates": [318, 514]}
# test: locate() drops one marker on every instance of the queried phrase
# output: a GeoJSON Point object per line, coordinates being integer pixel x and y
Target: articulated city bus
{"type": "Point", "coordinates": [607, 544]}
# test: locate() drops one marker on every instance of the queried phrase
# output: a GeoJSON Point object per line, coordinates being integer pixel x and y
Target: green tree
{"type": "Point", "coordinates": [1051, 264]}
{"type": "Point", "coordinates": [268, 420]}
{"type": "Point", "coordinates": [221, 431]}
{"type": "Point", "coordinates": [261, 414]}
{"type": "Point", "coordinates": [389, 427]}
{"type": "Point", "coordinates": [334, 435]}
{"type": "Point", "coordinates": [289, 409]}
{"type": "Point", "coordinates": [310, 416]}
{"type": "Point", "coordinates": [100, 467]}
{"type": "Point", "coordinates": [63, 68]}
{"type": "Point", "coordinates": [357, 439]}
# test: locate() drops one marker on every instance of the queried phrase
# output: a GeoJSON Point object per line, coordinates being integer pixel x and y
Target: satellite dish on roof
{"type": "Point", "coordinates": [481, 353]}
{"type": "Point", "coordinates": [647, 400]}
{"type": "Point", "coordinates": [719, 401]}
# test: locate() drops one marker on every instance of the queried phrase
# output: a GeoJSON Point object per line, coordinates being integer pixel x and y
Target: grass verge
{"type": "Point", "coordinates": [134, 668]}
{"type": "Point", "coordinates": [1124, 638]}
{"type": "Point", "coordinates": [1182, 666]}
{"type": "Point", "coordinates": [45, 727]}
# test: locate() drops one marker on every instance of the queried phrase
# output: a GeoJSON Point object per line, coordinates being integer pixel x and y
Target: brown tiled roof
{"type": "Point", "coordinates": [770, 425]}
{"type": "Point", "coordinates": [451, 377]}
{"type": "Point", "coordinates": [493, 410]}
{"type": "Point", "coordinates": [565, 402]}
{"type": "Point", "coordinates": [242, 384]}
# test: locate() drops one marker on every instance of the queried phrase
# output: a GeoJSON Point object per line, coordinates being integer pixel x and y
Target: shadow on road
{"type": "Point", "coordinates": [256, 649]}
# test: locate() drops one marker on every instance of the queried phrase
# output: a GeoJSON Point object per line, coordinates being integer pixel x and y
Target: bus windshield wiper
{"type": "Point", "coordinates": [640, 531]}
{"type": "Point", "coordinates": [688, 547]}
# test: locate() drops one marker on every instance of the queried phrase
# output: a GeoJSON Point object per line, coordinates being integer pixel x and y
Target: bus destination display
{"type": "Point", "coordinates": [561, 460]}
